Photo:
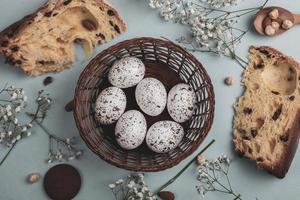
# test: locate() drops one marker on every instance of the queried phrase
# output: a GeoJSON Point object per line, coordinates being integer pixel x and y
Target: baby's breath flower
{"type": "Point", "coordinates": [111, 186]}
{"type": "Point", "coordinates": [213, 176]}
{"type": "Point", "coordinates": [212, 27]}
{"type": "Point", "coordinates": [133, 187]}
{"type": "Point", "coordinates": [12, 104]}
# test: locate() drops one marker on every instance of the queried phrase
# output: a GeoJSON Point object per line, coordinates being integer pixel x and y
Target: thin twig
{"type": "Point", "coordinates": [183, 169]}
{"type": "Point", "coordinates": [7, 154]}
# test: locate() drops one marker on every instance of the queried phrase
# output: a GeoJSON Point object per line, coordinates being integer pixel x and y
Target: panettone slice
{"type": "Point", "coordinates": [44, 40]}
{"type": "Point", "coordinates": [267, 118]}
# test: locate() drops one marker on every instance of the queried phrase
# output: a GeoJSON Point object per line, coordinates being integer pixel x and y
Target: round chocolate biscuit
{"type": "Point", "coordinates": [62, 182]}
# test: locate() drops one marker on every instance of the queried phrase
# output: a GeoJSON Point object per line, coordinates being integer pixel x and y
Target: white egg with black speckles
{"type": "Point", "coordinates": [131, 129]}
{"type": "Point", "coordinates": [110, 105]}
{"type": "Point", "coordinates": [164, 136]}
{"type": "Point", "coordinates": [151, 96]}
{"type": "Point", "coordinates": [181, 102]}
{"type": "Point", "coordinates": [127, 72]}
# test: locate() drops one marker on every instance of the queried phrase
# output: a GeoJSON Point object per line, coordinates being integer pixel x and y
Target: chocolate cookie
{"type": "Point", "coordinates": [62, 182]}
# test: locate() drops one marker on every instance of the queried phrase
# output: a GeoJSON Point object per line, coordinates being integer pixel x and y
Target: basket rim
{"type": "Point", "coordinates": [183, 155]}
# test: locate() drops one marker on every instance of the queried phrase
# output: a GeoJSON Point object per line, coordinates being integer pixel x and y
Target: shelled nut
{"type": "Point", "coordinates": [33, 178]}
{"type": "Point", "coordinates": [200, 160]}
{"type": "Point", "coordinates": [269, 30]}
{"type": "Point", "coordinates": [229, 81]}
{"type": "Point", "coordinates": [274, 14]}
{"type": "Point", "coordinates": [275, 25]}
{"type": "Point", "coordinates": [287, 24]}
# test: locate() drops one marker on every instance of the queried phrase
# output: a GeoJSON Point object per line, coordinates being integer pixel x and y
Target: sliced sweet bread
{"type": "Point", "coordinates": [44, 40]}
{"type": "Point", "coordinates": [267, 115]}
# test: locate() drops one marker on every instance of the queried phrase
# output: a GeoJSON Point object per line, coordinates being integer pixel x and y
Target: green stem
{"type": "Point", "coordinates": [15, 143]}
{"type": "Point", "coordinates": [183, 169]}
{"type": "Point", "coordinates": [264, 4]}
{"type": "Point", "coordinates": [245, 13]}
{"type": "Point", "coordinates": [7, 154]}
{"type": "Point", "coordinates": [5, 100]}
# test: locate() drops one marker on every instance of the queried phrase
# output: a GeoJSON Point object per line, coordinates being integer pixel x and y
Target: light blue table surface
{"type": "Point", "coordinates": [29, 155]}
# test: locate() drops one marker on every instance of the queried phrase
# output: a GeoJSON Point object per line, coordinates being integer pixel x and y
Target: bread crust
{"type": "Point", "coordinates": [281, 167]}
{"type": "Point", "coordinates": [14, 31]}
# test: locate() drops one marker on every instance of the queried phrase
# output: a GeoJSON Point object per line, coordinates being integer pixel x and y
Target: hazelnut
{"type": "Point", "coordinates": [275, 25]}
{"type": "Point", "coordinates": [287, 24]}
{"type": "Point", "coordinates": [274, 14]}
{"type": "Point", "coordinates": [229, 81]}
{"type": "Point", "coordinates": [33, 178]}
{"type": "Point", "coordinates": [200, 160]}
{"type": "Point", "coordinates": [269, 30]}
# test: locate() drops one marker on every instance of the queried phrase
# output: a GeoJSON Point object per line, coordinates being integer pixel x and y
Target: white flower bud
{"type": "Point", "coordinates": [14, 96]}
{"type": "Point", "coordinates": [70, 158]}
{"type": "Point", "coordinates": [18, 109]}
{"type": "Point", "coordinates": [183, 13]}
{"type": "Point", "coordinates": [18, 137]}
{"type": "Point", "coordinates": [8, 108]}
{"type": "Point", "coordinates": [9, 113]}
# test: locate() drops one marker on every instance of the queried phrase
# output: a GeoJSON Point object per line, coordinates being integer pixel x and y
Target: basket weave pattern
{"type": "Point", "coordinates": [184, 65]}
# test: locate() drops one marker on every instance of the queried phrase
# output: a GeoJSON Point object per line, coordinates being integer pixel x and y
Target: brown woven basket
{"type": "Point", "coordinates": [165, 61]}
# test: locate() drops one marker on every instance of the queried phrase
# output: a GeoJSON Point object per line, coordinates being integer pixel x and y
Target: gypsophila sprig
{"type": "Point", "coordinates": [132, 188]}
{"type": "Point", "coordinates": [212, 27]}
{"type": "Point", "coordinates": [60, 149]}
{"type": "Point", "coordinates": [213, 176]}
{"type": "Point", "coordinates": [13, 101]}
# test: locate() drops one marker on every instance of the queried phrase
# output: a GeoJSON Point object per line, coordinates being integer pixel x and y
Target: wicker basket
{"type": "Point", "coordinates": [170, 64]}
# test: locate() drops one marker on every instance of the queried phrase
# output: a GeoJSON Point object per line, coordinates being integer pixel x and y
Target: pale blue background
{"type": "Point", "coordinates": [29, 155]}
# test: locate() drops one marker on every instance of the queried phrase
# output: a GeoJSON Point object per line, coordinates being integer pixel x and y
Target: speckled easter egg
{"type": "Point", "coordinates": [151, 96]}
{"type": "Point", "coordinates": [164, 136]}
{"type": "Point", "coordinates": [181, 102]}
{"type": "Point", "coordinates": [110, 105]}
{"type": "Point", "coordinates": [126, 72]}
{"type": "Point", "coordinates": [131, 129]}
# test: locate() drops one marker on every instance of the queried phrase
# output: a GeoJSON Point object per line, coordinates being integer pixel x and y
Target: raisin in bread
{"type": "Point", "coordinates": [267, 120]}
{"type": "Point", "coordinates": [44, 41]}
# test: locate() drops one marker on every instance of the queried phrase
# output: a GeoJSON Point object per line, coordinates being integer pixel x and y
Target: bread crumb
{"type": "Point", "coordinates": [229, 81]}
